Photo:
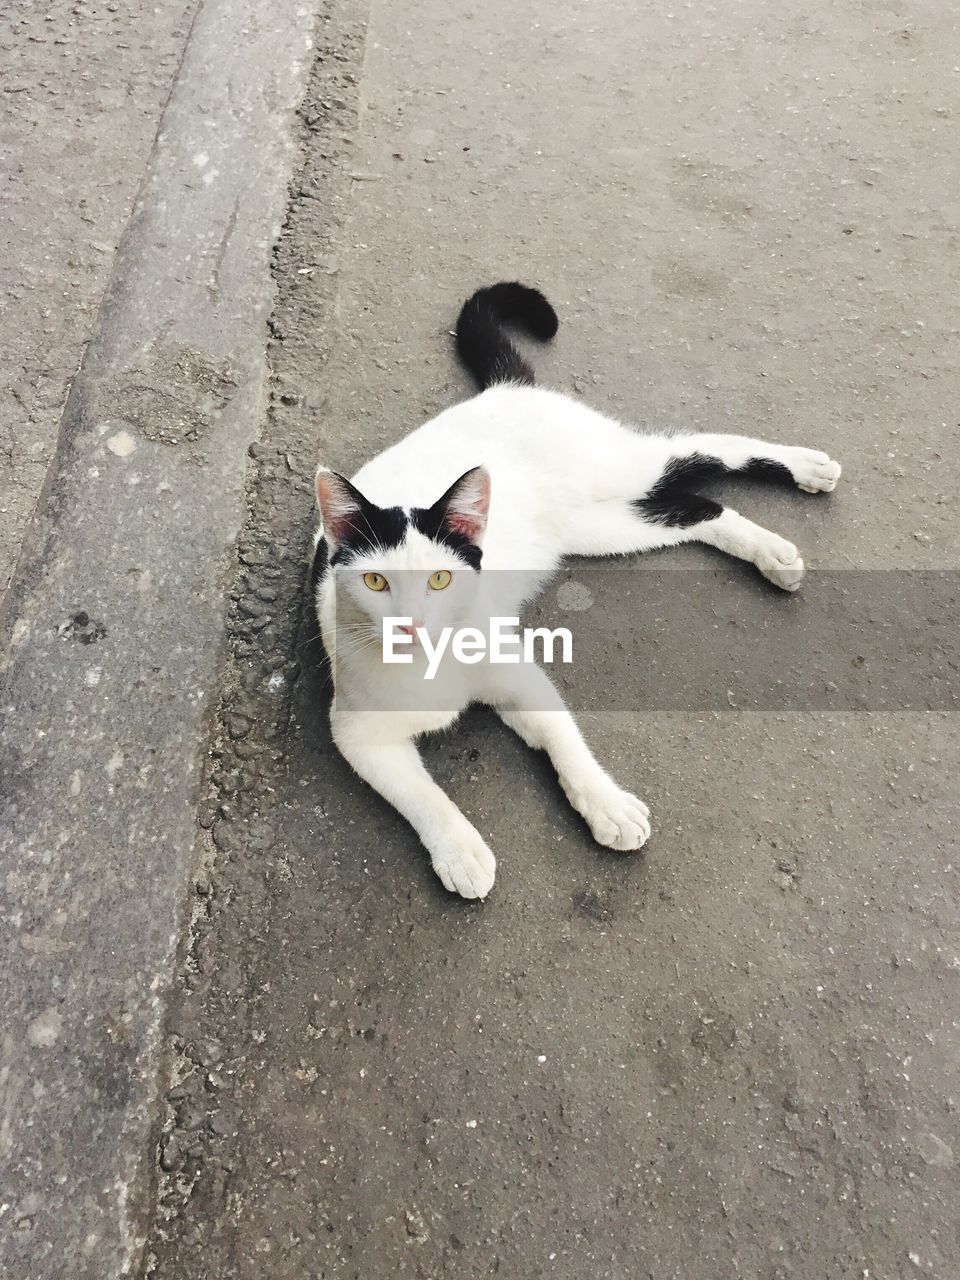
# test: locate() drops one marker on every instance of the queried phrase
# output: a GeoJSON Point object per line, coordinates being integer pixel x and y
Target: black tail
{"type": "Point", "coordinates": [485, 349]}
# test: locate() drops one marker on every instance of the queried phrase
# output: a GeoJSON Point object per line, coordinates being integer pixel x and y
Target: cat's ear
{"type": "Point", "coordinates": [341, 507]}
{"type": "Point", "coordinates": [464, 507]}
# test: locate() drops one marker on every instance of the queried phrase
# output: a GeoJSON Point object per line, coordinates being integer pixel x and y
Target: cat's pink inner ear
{"type": "Point", "coordinates": [338, 506]}
{"type": "Point", "coordinates": [468, 504]}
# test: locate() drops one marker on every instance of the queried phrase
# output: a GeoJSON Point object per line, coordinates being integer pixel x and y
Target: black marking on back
{"type": "Point", "coordinates": [673, 501]}
{"type": "Point", "coordinates": [376, 529]}
{"type": "Point", "coordinates": [484, 347]}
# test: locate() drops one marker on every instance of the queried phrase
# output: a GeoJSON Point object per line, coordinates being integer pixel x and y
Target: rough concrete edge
{"type": "Point", "coordinates": [280, 476]}
{"type": "Point", "coordinates": [38, 530]}
{"type": "Point", "coordinates": [229, 326]}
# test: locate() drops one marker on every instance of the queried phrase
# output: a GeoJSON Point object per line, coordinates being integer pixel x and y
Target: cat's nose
{"type": "Point", "coordinates": [411, 630]}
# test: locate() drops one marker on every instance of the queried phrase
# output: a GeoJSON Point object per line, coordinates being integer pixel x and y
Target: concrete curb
{"type": "Point", "coordinates": [115, 625]}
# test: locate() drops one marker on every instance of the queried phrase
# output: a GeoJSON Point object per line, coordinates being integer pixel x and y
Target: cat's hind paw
{"type": "Point", "coordinates": [814, 471]}
{"type": "Point", "coordinates": [465, 865]}
{"type": "Point", "coordinates": [617, 819]}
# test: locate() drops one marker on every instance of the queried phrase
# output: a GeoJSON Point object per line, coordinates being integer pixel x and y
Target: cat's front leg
{"type": "Point", "coordinates": [458, 852]}
{"type": "Point", "coordinates": [528, 701]}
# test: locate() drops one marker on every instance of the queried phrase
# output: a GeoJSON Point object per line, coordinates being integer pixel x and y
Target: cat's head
{"type": "Point", "coordinates": [422, 564]}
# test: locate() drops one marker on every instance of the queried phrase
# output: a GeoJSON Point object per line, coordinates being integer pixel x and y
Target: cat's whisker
{"type": "Point", "coordinates": [359, 638]}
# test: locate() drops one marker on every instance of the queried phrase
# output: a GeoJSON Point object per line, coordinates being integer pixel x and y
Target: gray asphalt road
{"type": "Point", "coordinates": [737, 1054]}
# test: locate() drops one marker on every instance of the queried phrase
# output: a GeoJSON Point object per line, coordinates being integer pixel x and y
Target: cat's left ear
{"type": "Point", "coordinates": [464, 507]}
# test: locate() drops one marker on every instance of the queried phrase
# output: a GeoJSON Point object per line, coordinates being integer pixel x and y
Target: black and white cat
{"type": "Point", "coordinates": [514, 479]}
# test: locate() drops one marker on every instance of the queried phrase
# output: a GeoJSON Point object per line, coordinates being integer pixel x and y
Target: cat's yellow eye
{"type": "Point", "coordinates": [375, 581]}
{"type": "Point", "coordinates": [440, 579]}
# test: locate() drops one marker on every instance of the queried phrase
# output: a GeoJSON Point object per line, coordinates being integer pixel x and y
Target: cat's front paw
{"type": "Point", "coordinates": [617, 819]}
{"type": "Point", "coordinates": [465, 865]}
{"type": "Point", "coordinates": [779, 561]}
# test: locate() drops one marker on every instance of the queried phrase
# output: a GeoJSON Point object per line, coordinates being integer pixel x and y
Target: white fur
{"type": "Point", "coordinates": [562, 480]}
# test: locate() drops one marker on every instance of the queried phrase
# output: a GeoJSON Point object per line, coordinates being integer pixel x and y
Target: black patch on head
{"type": "Point", "coordinates": [430, 522]}
{"type": "Point", "coordinates": [318, 566]}
{"type": "Point", "coordinates": [375, 529]}
{"type": "Point", "coordinates": [371, 529]}
{"type": "Point", "coordinates": [672, 500]}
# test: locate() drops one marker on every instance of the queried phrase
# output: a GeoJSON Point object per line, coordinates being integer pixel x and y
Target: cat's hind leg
{"type": "Point", "coordinates": [619, 528]}
{"type": "Point", "coordinates": [777, 559]}
{"type": "Point", "coordinates": [673, 503]}
{"type": "Point", "coordinates": [709, 455]}
{"type": "Point", "coordinates": [666, 508]}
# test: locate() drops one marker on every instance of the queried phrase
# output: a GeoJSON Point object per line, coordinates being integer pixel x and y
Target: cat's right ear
{"type": "Point", "coordinates": [463, 509]}
{"type": "Point", "coordinates": [341, 507]}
